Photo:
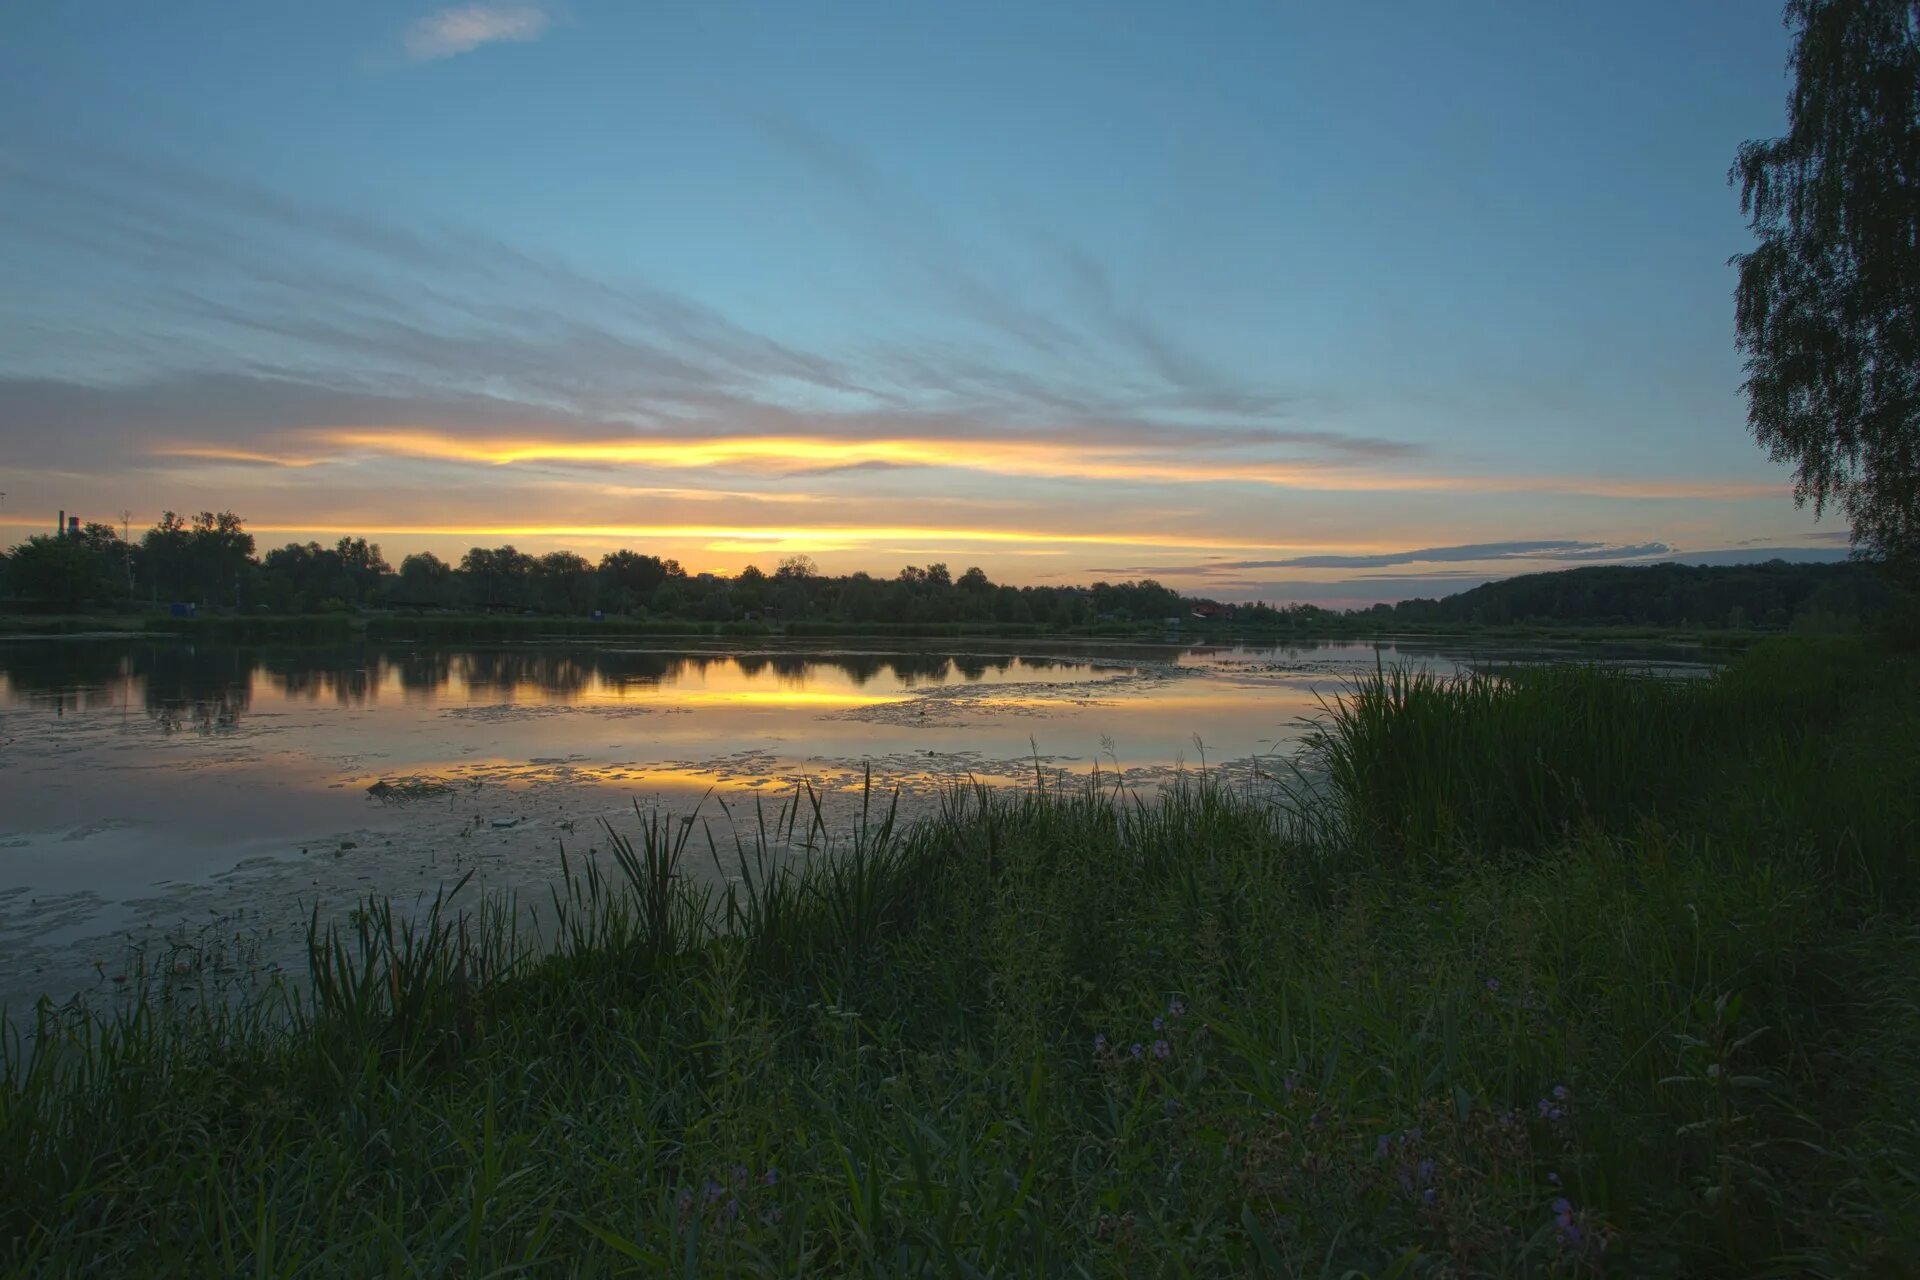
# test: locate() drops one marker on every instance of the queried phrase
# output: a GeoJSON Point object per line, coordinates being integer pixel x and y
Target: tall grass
{"type": "Point", "coordinates": [1522, 759]}
{"type": "Point", "coordinates": [1659, 1023]}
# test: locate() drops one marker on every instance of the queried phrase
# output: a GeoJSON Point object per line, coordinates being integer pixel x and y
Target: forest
{"type": "Point", "coordinates": [210, 561]}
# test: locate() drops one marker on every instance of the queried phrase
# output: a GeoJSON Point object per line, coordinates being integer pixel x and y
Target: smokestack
{"type": "Point", "coordinates": [73, 526]}
{"type": "Point", "coordinates": [60, 525]}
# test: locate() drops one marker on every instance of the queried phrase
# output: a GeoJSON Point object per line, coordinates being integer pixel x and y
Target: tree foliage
{"type": "Point", "coordinates": [1828, 304]}
{"type": "Point", "coordinates": [1772, 595]}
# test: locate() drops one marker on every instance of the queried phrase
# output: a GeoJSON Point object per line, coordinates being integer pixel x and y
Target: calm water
{"type": "Point", "coordinates": [148, 783]}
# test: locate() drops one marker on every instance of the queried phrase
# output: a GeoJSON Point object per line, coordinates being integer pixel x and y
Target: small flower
{"type": "Point", "coordinates": [771, 1176]}
{"type": "Point", "coordinates": [1162, 1050]}
{"type": "Point", "coordinates": [1562, 1207]}
{"type": "Point", "coordinates": [1159, 1024]}
{"type": "Point", "coordinates": [1175, 1008]}
{"type": "Point", "coordinates": [1414, 1134]}
{"type": "Point", "coordinates": [732, 1208]}
{"type": "Point", "coordinates": [1100, 1044]}
{"type": "Point", "coordinates": [1561, 1092]}
{"type": "Point", "coordinates": [1137, 1049]}
{"type": "Point", "coordinates": [1429, 1195]}
{"type": "Point", "coordinates": [1553, 1179]}
{"type": "Point", "coordinates": [1380, 1147]}
{"type": "Point", "coordinates": [713, 1191]}
{"type": "Point", "coordinates": [1493, 984]}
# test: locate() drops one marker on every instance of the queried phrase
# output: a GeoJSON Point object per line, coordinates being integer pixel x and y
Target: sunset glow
{"type": "Point", "coordinates": [806, 333]}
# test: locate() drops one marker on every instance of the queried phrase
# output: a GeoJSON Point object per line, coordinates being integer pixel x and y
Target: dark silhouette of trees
{"type": "Point", "coordinates": [501, 573]}
{"type": "Point", "coordinates": [302, 578]}
{"type": "Point", "coordinates": [1828, 304]}
{"type": "Point", "coordinates": [64, 571]}
{"type": "Point", "coordinates": [209, 560]}
{"type": "Point", "coordinates": [426, 579]}
{"type": "Point", "coordinates": [629, 580]}
{"type": "Point", "coordinates": [563, 583]}
{"type": "Point", "coordinates": [1777, 594]}
{"type": "Point", "coordinates": [205, 560]}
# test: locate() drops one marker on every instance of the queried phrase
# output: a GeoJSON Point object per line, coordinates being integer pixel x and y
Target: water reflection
{"type": "Point", "coordinates": [210, 688]}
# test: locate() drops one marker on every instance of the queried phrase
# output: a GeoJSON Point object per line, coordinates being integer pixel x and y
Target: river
{"type": "Point", "coordinates": [154, 789]}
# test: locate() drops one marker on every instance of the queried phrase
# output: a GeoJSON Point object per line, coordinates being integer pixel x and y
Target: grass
{"type": "Point", "coordinates": [1564, 972]}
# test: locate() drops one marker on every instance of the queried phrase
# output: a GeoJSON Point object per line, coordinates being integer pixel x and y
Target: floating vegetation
{"type": "Point", "coordinates": [397, 790]}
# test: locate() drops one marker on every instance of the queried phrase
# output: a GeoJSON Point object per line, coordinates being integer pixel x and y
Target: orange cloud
{"type": "Point", "coordinates": [797, 538]}
{"type": "Point", "coordinates": [787, 454]}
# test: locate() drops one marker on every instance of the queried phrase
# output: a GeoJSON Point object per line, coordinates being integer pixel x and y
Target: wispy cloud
{"type": "Point", "coordinates": [464, 28]}
{"type": "Point", "coordinates": [1555, 549]}
{"type": "Point", "coordinates": [1551, 549]}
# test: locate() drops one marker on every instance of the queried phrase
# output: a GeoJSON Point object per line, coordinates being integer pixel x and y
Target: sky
{"type": "Point", "coordinates": [1339, 303]}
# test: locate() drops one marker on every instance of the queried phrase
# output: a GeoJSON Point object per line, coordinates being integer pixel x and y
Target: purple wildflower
{"type": "Point", "coordinates": [1493, 984]}
{"type": "Point", "coordinates": [1380, 1147]}
{"type": "Point", "coordinates": [771, 1176]}
{"type": "Point", "coordinates": [1100, 1043]}
{"type": "Point", "coordinates": [1561, 1092]}
{"type": "Point", "coordinates": [1162, 1050]}
{"type": "Point", "coordinates": [1137, 1049]}
{"type": "Point", "coordinates": [713, 1191]}
{"type": "Point", "coordinates": [1553, 1179]}
{"type": "Point", "coordinates": [1563, 1220]}
{"type": "Point", "coordinates": [1429, 1195]}
{"type": "Point", "coordinates": [732, 1209]}
{"type": "Point", "coordinates": [1175, 1008]}
{"type": "Point", "coordinates": [1159, 1024]}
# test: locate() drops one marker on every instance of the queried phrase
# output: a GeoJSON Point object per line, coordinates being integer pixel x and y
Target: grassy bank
{"type": "Point", "coordinates": [1573, 973]}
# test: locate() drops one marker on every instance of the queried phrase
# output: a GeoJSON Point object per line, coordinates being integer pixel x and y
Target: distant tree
{"type": "Point", "coordinates": [162, 561]}
{"type": "Point", "coordinates": [635, 574]}
{"type": "Point", "coordinates": [425, 579]}
{"type": "Point", "coordinates": [974, 580]}
{"type": "Point", "coordinates": [365, 568]}
{"type": "Point", "coordinates": [61, 571]}
{"type": "Point", "coordinates": [498, 575]}
{"type": "Point", "coordinates": [563, 582]}
{"type": "Point", "coordinates": [797, 567]}
{"type": "Point", "coordinates": [1828, 304]}
{"type": "Point", "coordinates": [205, 559]}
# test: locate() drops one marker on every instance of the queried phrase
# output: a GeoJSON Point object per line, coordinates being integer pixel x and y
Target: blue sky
{"type": "Point", "coordinates": [1261, 299]}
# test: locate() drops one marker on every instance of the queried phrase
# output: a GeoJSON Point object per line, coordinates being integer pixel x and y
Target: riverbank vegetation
{"type": "Point", "coordinates": [1569, 972]}
{"type": "Point", "coordinates": [94, 580]}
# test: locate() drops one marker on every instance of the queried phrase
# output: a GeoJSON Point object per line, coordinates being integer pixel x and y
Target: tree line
{"type": "Point", "coordinates": [210, 560]}
{"type": "Point", "coordinates": [1769, 596]}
